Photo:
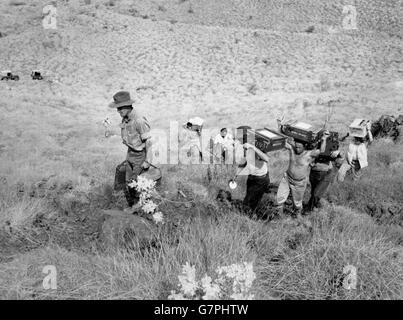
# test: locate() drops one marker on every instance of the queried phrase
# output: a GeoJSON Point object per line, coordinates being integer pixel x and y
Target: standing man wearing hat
{"type": "Point", "coordinates": [135, 131]}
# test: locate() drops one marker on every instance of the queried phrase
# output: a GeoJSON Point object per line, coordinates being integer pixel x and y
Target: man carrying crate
{"type": "Point", "coordinates": [295, 179]}
{"type": "Point", "coordinates": [357, 158]}
{"type": "Point", "coordinates": [323, 172]}
{"type": "Point", "coordinates": [255, 166]}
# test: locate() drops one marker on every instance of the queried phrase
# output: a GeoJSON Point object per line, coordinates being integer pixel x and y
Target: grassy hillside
{"type": "Point", "coordinates": [222, 74]}
{"type": "Point", "coordinates": [57, 167]}
{"type": "Point", "coordinates": [291, 262]}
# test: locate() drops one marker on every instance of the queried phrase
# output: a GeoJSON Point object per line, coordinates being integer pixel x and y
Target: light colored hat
{"type": "Point", "coordinates": [196, 121]}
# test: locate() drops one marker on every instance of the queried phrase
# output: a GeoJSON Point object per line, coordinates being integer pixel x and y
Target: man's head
{"type": "Point", "coordinates": [121, 99]}
{"type": "Point", "coordinates": [124, 111]}
{"type": "Point", "coordinates": [223, 132]}
{"type": "Point", "coordinates": [299, 147]}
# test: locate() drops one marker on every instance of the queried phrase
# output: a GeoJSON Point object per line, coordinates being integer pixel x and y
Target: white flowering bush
{"type": "Point", "coordinates": [230, 282]}
{"type": "Point", "coordinates": [146, 188]}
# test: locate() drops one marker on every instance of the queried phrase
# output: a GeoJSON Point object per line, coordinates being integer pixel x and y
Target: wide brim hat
{"type": "Point", "coordinates": [153, 173]}
{"type": "Point", "coordinates": [121, 99]}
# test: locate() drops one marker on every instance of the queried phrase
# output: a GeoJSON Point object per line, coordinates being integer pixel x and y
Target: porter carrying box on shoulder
{"type": "Point", "coordinates": [266, 139]}
{"type": "Point", "coordinates": [311, 135]}
{"type": "Point", "coordinates": [358, 128]}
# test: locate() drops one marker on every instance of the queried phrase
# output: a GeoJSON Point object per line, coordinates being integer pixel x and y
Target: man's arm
{"type": "Point", "coordinates": [243, 168]}
{"type": "Point", "coordinates": [242, 171]}
{"type": "Point", "coordinates": [148, 150]}
{"type": "Point", "coordinates": [345, 137]}
{"type": "Point", "coordinates": [261, 154]}
{"type": "Point", "coordinates": [143, 128]}
{"type": "Point", "coordinates": [338, 157]}
{"type": "Point", "coordinates": [369, 132]}
{"type": "Point", "coordinates": [315, 153]}
{"type": "Point", "coordinates": [289, 147]}
{"type": "Point", "coordinates": [326, 134]}
{"type": "Point", "coordinates": [280, 123]}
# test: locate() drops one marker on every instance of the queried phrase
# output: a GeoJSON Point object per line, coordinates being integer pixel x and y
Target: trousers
{"type": "Point", "coordinates": [256, 187]}
{"type": "Point", "coordinates": [297, 189]}
{"type": "Point", "coordinates": [126, 172]}
{"type": "Point", "coordinates": [346, 167]}
{"type": "Point", "coordinates": [320, 182]}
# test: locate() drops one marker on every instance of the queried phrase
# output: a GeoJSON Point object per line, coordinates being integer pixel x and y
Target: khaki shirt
{"type": "Point", "coordinates": [135, 131]}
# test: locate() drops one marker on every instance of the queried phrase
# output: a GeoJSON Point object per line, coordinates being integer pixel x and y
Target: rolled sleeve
{"type": "Point", "coordinates": [143, 128]}
{"type": "Point", "coordinates": [136, 132]}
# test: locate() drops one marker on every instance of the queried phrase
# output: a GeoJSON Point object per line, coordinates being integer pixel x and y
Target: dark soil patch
{"type": "Point", "coordinates": [75, 222]}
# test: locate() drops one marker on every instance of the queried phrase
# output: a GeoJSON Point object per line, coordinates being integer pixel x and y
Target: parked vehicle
{"type": "Point", "coordinates": [36, 75]}
{"type": "Point", "coordinates": [7, 75]}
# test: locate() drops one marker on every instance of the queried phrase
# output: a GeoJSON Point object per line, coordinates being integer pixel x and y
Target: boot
{"type": "Point", "coordinates": [129, 194]}
{"type": "Point", "coordinates": [132, 197]}
{"type": "Point", "coordinates": [120, 177]}
{"type": "Point", "coordinates": [311, 204]}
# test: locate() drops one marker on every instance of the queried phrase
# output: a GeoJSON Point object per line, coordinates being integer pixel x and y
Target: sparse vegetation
{"type": "Point", "coordinates": [325, 83]}
{"type": "Point", "coordinates": [17, 3]}
{"type": "Point", "coordinates": [252, 88]}
{"type": "Point", "coordinates": [111, 3]}
{"type": "Point", "coordinates": [161, 8]}
{"type": "Point", "coordinates": [209, 236]}
{"type": "Point", "coordinates": [310, 29]}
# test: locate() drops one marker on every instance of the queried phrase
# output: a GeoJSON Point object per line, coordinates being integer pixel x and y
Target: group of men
{"type": "Point", "coordinates": [304, 165]}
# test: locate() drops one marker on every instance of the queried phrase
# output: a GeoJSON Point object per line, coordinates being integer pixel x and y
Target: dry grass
{"type": "Point", "coordinates": [291, 262]}
{"type": "Point", "coordinates": [379, 192]}
{"type": "Point", "coordinates": [17, 3]}
{"type": "Point", "coordinates": [310, 264]}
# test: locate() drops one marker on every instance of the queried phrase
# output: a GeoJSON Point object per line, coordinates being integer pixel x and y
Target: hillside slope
{"type": "Point", "coordinates": [219, 73]}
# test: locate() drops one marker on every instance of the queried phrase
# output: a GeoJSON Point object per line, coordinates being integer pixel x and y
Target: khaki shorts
{"type": "Point", "coordinates": [346, 167]}
{"type": "Point", "coordinates": [297, 189]}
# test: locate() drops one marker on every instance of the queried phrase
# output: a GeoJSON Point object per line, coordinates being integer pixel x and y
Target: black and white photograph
{"type": "Point", "coordinates": [222, 151]}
